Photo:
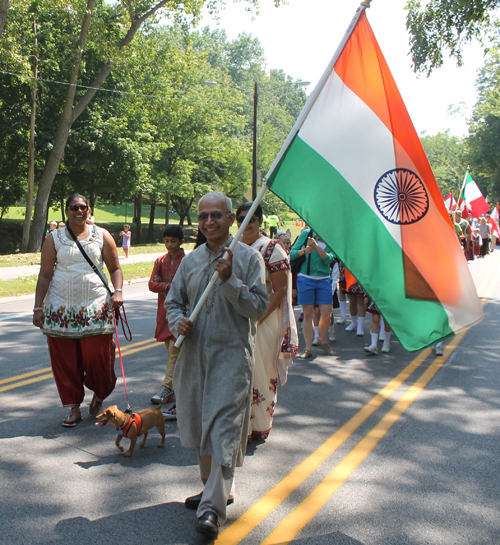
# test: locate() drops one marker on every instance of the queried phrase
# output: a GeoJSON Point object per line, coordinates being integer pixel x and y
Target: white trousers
{"type": "Point", "coordinates": [219, 486]}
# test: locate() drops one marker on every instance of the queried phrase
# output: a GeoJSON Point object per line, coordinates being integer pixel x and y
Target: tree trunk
{"type": "Point", "coordinates": [188, 217]}
{"type": "Point", "coordinates": [4, 8]}
{"type": "Point", "coordinates": [65, 122]}
{"type": "Point", "coordinates": [92, 197]}
{"type": "Point", "coordinates": [61, 204]}
{"type": "Point", "coordinates": [138, 229]}
{"type": "Point", "coordinates": [151, 228]}
{"type": "Point", "coordinates": [31, 166]}
{"type": "Point", "coordinates": [167, 208]}
{"type": "Point", "coordinates": [181, 218]}
{"type": "Point", "coordinates": [70, 114]}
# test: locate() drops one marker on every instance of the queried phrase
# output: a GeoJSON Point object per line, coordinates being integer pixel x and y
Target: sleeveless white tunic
{"type": "Point", "coordinates": [77, 302]}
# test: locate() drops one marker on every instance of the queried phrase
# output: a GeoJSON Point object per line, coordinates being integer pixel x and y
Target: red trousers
{"type": "Point", "coordinates": [89, 361]}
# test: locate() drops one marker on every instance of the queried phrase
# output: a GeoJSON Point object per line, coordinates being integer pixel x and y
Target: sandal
{"type": "Point", "coordinates": [305, 355]}
{"type": "Point", "coordinates": [95, 406]}
{"type": "Point", "coordinates": [73, 418]}
{"type": "Point", "coordinates": [327, 349]}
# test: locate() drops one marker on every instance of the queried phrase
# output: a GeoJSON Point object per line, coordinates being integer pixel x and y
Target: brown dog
{"type": "Point", "coordinates": [132, 426]}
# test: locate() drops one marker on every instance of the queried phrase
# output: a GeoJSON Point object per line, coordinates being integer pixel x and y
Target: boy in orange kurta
{"type": "Point", "coordinates": [163, 273]}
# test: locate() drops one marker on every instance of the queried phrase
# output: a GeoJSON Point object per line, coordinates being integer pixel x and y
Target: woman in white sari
{"type": "Point", "coordinates": [276, 342]}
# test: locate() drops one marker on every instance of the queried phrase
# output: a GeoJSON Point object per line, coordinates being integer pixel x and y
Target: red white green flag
{"type": "Point", "coordinates": [494, 213]}
{"type": "Point", "coordinates": [353, 167]}
{"type": "Point", "coordinates": [450, 203]}
{"type": "Point", "coordinates": [472, 195]}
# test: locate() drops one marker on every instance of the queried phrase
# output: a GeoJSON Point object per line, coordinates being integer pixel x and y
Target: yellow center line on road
{"type": "Point", "coordinates": [234, 533]}
{"type": "Point", "coordinates": [252, 517]}
{"type": "Point", "coordinates": [142, 345]}
{"type": "Point", "coordinates": [307, 509]}
{"type": "Point", "coordinates": [24, 382]}
{"type": "Point", "coordinates": [25, 375]}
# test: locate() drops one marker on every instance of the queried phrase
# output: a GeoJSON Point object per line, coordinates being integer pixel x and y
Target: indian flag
{"type": "Point", "coordinates": [476, 203]}
{"type": "Point", "coordinates": [354, 168]}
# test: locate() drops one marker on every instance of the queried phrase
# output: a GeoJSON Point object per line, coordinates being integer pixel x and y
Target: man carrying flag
{"type": "Point", "coordinates": [353, 149]}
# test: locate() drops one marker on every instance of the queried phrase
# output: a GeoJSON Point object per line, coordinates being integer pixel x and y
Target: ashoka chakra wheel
{"type": "Point", "coordinates": [401, 197]}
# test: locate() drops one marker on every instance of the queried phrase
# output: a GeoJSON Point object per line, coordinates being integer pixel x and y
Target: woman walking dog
{"type": "Point", "coordinates": [74, 309]}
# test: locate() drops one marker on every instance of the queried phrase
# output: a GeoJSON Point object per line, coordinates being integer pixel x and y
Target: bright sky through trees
{"type": "Point", "coordinates": [301, 37]}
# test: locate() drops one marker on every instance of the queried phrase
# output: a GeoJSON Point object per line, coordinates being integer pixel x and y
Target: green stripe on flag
{"type": "Point", "coordinates": [327, 202]}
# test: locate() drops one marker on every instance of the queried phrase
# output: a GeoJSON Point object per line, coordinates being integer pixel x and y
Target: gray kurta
{"type": "Point", "coordinates": [213, 374]}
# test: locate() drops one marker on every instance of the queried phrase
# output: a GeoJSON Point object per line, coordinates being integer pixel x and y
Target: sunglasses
{"type": "Point", "coordinates": [214, 215]}
{"type": "Point", "coordinates": [253, 219]}
{"type": "Point", "coordinates": [76, 207]}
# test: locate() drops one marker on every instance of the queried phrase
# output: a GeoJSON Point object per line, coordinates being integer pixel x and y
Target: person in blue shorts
{"type": "Point", "coordinates": [314, 286]}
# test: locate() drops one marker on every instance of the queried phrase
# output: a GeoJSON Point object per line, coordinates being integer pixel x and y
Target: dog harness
{"type": "Point", "coordinates": [136, 417]}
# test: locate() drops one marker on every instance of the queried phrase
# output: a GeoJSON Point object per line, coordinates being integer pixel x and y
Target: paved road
{"type": "Point", "coordinates": [400, 449]}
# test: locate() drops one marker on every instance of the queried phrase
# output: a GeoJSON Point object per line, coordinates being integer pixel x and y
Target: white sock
{"type": "Point", "coordinates": [361, 322]}
{"type": "Point", "coordinates": [382, 325]}
{"type": "Point", "coordinates": [343, 305]}
{"type": "Point", "coordinates": [316, 331]}
{"type": "Point", "coordinates": [374, 339]}
{"type": "Point", "coordinates": [439, 344]}
{"type": "Point", "coordinates": [387, 338]}
{"type": "Point", "coordinates": [354, 320]}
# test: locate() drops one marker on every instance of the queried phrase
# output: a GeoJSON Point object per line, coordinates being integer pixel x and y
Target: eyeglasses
{"type": "Point", "coordinates": [76, 207]}
{"type": "Point", "coordinates": [214, 215]}
{"type": "Point", "coordinates": [253, 219]}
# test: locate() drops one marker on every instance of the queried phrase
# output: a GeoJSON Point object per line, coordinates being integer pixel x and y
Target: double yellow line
{"type": "Point", "coordinates": [46, 373]}
{"type": "Point", "coordinates": [288, 529]}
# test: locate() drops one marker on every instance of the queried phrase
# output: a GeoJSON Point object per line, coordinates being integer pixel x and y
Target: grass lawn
{"type": "Point", "coordinates": [121, 213]}
{"type": "Point", "coordinates": [27, 285]}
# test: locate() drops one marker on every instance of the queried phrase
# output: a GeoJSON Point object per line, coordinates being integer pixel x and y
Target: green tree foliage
{"type": "Point", "coordinates": [446, 25]}
{"type": "Point", "coordinates": [447, 155]}
{"type": "Point", "coordinates": [158, 132]}
{"type": "Point", "coordinates": [484, 129]}
{"type": "Point", "coordinates": [96, 35]}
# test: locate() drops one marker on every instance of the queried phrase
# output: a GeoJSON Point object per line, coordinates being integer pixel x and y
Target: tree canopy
{"type": "Point", "coordinates": [447, 25]}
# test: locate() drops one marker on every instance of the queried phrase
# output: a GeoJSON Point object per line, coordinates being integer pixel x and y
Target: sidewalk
{"type": "Point", "coordinates": [10, 273]}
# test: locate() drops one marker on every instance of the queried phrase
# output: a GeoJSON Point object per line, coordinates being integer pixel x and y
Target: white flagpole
{"type": "Point", "coordinates": [314, 95]}
{"type": "Point", "coordinates": [215, 276]}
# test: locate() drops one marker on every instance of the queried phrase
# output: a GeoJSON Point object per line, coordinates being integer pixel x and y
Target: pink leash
{"type": "Point", "coordinates": [124, 321]}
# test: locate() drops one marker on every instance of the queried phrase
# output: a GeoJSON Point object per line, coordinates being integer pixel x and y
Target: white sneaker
{"type": "Point", "coordinates": [439, 350]}
{"type": "Point", "coordinates": [381, 336]}
{"type": "Point", "coordinates": [315, 341]}
{"type": "Point", "coordinates": [341, 321]}
{"type": "Point", "coordinates": [360, 332]}
{"type": "Point", "coordinates": [386, 348]}
{"type": "Point", "coordinates": [351, 327]}
{"type": "Point", "coordinates": [331, 333]}
{"type": "Point", "coordinates": [372, 349]}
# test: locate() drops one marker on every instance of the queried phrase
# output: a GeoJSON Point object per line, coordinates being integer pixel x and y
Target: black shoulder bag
{"type": "Point", "coordinates": [296, 264]}
{"type": "Point", "coordinates": [104, 281]}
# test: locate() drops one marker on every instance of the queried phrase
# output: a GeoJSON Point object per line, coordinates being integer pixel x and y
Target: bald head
{"type": "Point", "coordinates": [216, 198]}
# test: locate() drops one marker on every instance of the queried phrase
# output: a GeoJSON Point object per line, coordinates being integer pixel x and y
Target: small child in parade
{"type": "Point", "coordinates": [126, 235]}
{"type": "Point", "coordinates": [164, 270]}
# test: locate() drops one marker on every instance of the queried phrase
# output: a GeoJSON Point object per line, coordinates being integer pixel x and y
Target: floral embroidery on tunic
{"type": "Point", "coordinates": [258, 398]}
{"type": "Point", "coordinates": [273, 385]}
{"type": "Point", "coordinates": [78, 319]}
{"type": "Point", "coordinates": [272, 408]}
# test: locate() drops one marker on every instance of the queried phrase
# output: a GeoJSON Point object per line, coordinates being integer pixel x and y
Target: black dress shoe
{"type": "Point", "coordinates": [194, 501]}
{"type": "Point", "coordinates": [208, 524]}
